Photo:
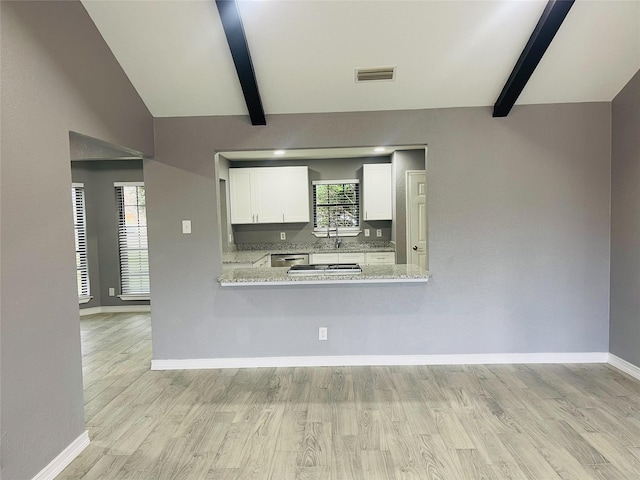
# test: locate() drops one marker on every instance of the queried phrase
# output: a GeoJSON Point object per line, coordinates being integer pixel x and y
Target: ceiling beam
{"type": "Point", "coordinates": [233, 29]}
{"type": "Point", "coordinates": [548, 25]}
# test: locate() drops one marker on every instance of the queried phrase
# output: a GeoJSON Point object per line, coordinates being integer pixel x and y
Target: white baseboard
{"type": "Point", "coordinates": [115, 309]}
{"type": "Point", "coordinates": [65, 457]}
{"type": "Point", "coordinates": [626, 367]}
{"type": "Point", "coordinates": [380, 360]}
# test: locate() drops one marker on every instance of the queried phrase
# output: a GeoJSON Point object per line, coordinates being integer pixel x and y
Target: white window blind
{"type": "Point", "coordinates": [80, 230]}
{"type": "Point", "coordinates": [336, 203]}
{"type": "Point", "coordinates": [132, 241]}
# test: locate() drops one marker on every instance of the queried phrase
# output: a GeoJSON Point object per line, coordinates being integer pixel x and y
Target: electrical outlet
{"type": "Point", "coordinates": [367, 232]}
{"type": "Point", "coordinates": [112, 292]}
{"type": "Point", "coordinates": [186, 226]}
{"type": "Point", "coordinates": [230, 238]}
{"type": "Point", "coordinates": [322, 333]}
{"type": "Point", "coordinates": [283, 236]}
{"type": "Point", "coordinates": [378, 232]}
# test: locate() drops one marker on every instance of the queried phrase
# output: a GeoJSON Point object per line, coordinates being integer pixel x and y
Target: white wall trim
{"type": "Point", "coordinates": [115, 309]}
{"type": "Point", "coordinates": [623, 365]}
{"type": "Point", "coordinates": [65, 457]}
{"type": "Point", "coordinates": [90, 311]}
{"type": "Point", "coordinates": [380, 360]}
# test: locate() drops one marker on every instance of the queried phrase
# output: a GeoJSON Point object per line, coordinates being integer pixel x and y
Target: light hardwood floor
{"type": "Point", "coordinates": [538, 422]}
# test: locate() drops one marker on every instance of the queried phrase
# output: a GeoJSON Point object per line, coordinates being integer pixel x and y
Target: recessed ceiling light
{"type": "Point", "coordinates": [379, 149]}
{"type": "Point", "coordinates": [279, 152]}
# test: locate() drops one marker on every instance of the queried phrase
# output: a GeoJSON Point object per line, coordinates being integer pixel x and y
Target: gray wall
{"type": "Point", "coordinates": [325, 169]}
{"type": "Point", "coordinates": [404, 160]}
{"type": "Point", "coordinates": [625, 223]}
{"type": "Point", "coordinates": [98, 177]}
{"type": "Point", "coordinates": [518, 224]}
{"type": "Point", "coordinates": [58, 75]}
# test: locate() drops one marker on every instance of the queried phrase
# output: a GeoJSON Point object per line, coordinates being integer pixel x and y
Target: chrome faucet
{"type": "Point", "coordinates": [338, 241]}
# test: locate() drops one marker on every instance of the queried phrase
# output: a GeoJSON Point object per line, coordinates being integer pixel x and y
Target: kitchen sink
{"type": "Point", "coordinates": [326, 269]}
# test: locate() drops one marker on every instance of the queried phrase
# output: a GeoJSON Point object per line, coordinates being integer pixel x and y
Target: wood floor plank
{"type": "Point", "coordinates": [291, 433]}
{"type": "Point", "coordinates": [284, 466]}
{"type": "Point", "coordinates": [452, 431]}
{"type": "Point", "coordinates": [258, 457]}
{"type": "Point", "coordinates": [346, 461]}
{"type": "Point", "coordinates": [233, 449]}
{"type": "Point", "coordinates": [528, 457]}
{"type": "Point", "coordinates": [315, 450]}
{"type": "Point", "coordinates": [462, 422]}
{"type": "Point", "coordinates": [377, 465]}
{"type": "Point", "coordinates": [566, 465]}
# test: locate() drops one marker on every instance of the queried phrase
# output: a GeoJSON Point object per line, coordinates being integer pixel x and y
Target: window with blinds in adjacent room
{"type": "Point", "coordinates": [80, 230]}
{"type": "Point", "coordinates": [132, 241]}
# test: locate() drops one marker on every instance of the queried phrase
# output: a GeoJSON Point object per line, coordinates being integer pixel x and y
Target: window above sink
{"type": "Point", "coordinates": [336, 208]}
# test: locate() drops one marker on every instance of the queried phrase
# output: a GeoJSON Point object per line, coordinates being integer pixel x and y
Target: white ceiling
{"type": "Point", "coordinates": [448, 53]}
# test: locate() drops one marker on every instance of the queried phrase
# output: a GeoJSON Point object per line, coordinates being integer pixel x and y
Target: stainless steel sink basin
{"type": "Point", "coordinates": [326, 269]}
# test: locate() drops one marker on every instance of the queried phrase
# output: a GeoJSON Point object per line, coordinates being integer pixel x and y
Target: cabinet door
{"type": "Point", "coordinates": [240, 195]}
{"type": "Point", "coordinates": [351, 258]}
{"type": "Point", "coordinates": [380, 258]}
{"type": "Point", "coordinates": [378, 191]}
{"type": "Point", "coordinates": [267, 195]}
{"type": "Point", "coordinates": [324, 258]}
{"type": "Point", "coordinates": [295, 201]}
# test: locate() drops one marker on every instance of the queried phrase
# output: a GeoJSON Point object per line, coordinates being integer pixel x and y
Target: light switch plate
{"type": "Point", "coordinates": [378, 232]}
{"type": "Point", "coordinates": [112, 292]}
{"type": "Point", "coordinates": [367, 232]}
{"type": "Point", "coordinates": [186, 226]}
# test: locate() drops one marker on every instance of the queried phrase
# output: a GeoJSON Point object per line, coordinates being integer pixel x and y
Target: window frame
{"type": "Point", "coordinates": [342, 231]}
{"type": "Point", "coordinates": [124, 248]}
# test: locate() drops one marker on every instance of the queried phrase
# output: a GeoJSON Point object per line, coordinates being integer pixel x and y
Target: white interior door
{"type": "Point", "coordinates": [417, 218]}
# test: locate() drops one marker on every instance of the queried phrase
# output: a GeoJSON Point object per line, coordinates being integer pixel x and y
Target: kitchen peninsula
{"type": "Point", "coordinates": [251, 266]}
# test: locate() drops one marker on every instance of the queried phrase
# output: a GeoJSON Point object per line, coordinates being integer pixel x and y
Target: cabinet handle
{"type": "Point", "coordinates": [257, 218]}
{"type": "Point", "coordinates": [253, 219]}
{"type": "Point", "coordinates": [283, 218]}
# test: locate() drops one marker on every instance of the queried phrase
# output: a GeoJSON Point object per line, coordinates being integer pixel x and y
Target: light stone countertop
{"type": "Point", "coordinates": [278, 276]}
{"type": "Point", "coordinates": [252, 256]}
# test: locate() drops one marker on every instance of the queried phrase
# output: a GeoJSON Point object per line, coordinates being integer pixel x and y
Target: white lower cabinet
{"type": "Point", "coordinates": [324, 258]}
{"type": "Point", "coordinates": [371, 258]}
{"type": "Point", "coordinates": [351, 258]}
{"type": "Point", "coordinates": [338, 258]}
{"type": "Point", "coordinates": [380, 258]}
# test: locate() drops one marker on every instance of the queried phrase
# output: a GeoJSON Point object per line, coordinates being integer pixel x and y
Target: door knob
{"type": "Point", "coordinates": [415, 247]}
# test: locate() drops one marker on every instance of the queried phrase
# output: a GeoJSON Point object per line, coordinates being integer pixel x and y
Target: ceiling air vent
{"type": "Point", "coordinates": [375, 74]}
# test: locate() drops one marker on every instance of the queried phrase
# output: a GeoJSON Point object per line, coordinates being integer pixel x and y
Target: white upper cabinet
{"type": "Point", "coordinates": [377, 191]}
{"type": "Point", "coordinates": [269, 195]}
{"type": "Point", "coordinates": [296, 194]}
{"type": "Point", "coordinates": [241, 181]}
